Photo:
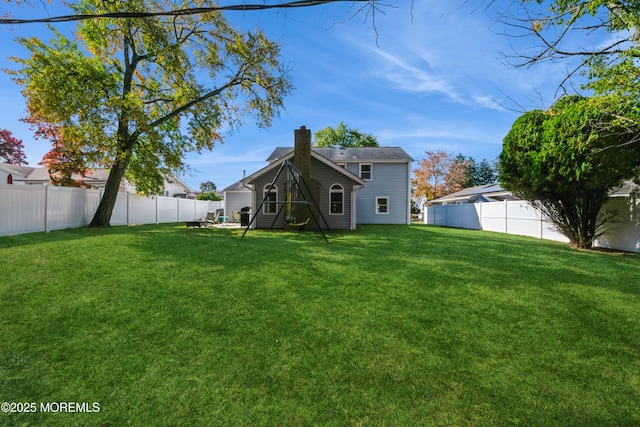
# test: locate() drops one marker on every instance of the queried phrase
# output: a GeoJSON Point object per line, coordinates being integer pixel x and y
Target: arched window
{"type": "Point", "coordinates": [10, 179]}
{"type": "Point", "coordinates": [270, 195]}
{"type": "Point", "coordinates": [336, 200]}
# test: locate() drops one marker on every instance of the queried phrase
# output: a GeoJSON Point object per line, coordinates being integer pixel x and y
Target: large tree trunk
{"type": "Point", "coordinates": [102, 217]}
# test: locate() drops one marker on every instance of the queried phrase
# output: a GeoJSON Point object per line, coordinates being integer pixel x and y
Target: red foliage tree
{"type": "Point", "coordinates": [63, 161]}
{"type": "Point", "coordinates": [11, 149]}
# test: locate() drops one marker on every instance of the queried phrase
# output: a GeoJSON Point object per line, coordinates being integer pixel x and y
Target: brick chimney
{"type": "Point", "coordinates": [302, 152]}
{"type": "Point", "coordinates": [302, 160]}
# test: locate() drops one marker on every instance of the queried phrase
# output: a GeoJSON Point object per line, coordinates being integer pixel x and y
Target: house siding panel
{"type": "Point", "coordinates": [265, 220]}
{"type": "Point", "coordinates": [328, 177]}
{"type": "Point", "coordinates": [389, 180]}
{"type": "Point", "coordinates": [322, 174]}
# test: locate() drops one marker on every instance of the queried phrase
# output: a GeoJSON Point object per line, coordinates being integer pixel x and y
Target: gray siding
{"type": "Point", "coordinates": [389, 180]}
{"type": "Point", "coordinates": [265, 220]}
{"type": "Point", "coordinates": [326, 177]}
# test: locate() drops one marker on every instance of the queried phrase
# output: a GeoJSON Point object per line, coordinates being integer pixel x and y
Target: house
{"type": "Point", "coordinates": [478, 194]}
{"type": "Point", "coordinates": [350, 186]}
{"type": "Point", "coordinates": [94, 178]}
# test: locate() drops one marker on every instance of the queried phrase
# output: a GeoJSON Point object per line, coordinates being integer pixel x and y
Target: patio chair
{"type": "Point", "coordinates": [212, 218]}
{"type": "Point", "coordinates": [236, 216]}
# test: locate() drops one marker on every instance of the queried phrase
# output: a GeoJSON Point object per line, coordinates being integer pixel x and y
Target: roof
{"type": "Point", "coordinates": [236, 186]}
{"type": "Point", "coordinates": [314, 154]}
{"type": "Point", "coordinates": [479, 192]}
{"type": "Point", "coordinates": [16, 169]}
{"type": "Point", "coordinates": [172, 179]}
{"type": "Point", "coordinates": [92, 177]}
{"type": "Point", "coordinates": [352, 154]}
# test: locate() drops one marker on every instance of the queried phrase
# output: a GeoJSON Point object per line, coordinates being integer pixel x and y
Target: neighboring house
{"type": "Point", "coordinates": [352, 186]}
{"type": "Point", "coordinates": [175, 187]}
{"type": "Point", "coordinates": [495, 193]}
{"type": "Point", "coordinates": [478, 194]}
{"type": "Point", "coordinates": [95, 178]}
{"type": "Point", "coordinates": [14, 174]}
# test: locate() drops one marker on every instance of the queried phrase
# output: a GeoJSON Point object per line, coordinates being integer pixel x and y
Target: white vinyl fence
{"type": "Point", "coordinates": [33, 208]}
{"type": "Point", "coordinates": [520, 217]}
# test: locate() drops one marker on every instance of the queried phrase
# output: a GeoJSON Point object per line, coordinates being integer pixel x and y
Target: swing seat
{"type": "Point", "coordinates": [298, 224]}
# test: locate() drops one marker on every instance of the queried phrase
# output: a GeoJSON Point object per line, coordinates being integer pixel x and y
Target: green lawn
{"type": "Point", "coordinates": [387, 325]}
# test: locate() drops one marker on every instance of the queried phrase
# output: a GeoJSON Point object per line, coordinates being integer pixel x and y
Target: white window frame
{"type": "Point", "coordinates": [274, 190]}
{"type": "Point", "coordinates": [335, 191]}
{"type": "Point", "coordinates": [378, 199]}
{"type": "Point", "coordinates": [370, 171]}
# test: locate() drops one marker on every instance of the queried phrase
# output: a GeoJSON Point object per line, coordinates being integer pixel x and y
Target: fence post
{"type": "Point", "coordinates": [506, 217]}
{"type": "Point", "coordinates": [446, 215]}
{"type": "Point", "coordinates": [46, 208]}
{"type": "Point", "coordinates": [541, 224]}
{"type": "Point", "coordinates": [157, 219]}
{"type": "Point", "coordinates": [128, 203]}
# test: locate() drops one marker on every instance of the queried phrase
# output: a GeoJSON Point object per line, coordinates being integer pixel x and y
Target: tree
{"type": "Point", "coordinates": [136, 94]}
{"type": "Point", "coordinates": [11, 149]}
{"type": "Point", "coordinates": [209, 196]}
{"type": "Point", "coordinates": [343, 136]}
{"type": "Point", "coordinates": [457, 176]}
{"type": "Point", "coordinates": [606, 50]}
{"type": "Point", "coordinates": [483, 173]}
{"type": "Point", "coordinates": [562, 161]}
{"type": "Point", "coordinates": [439, 174]}
{"type": "Point", "coordinates": [208, 187]}
{"type": "Point", "coordinates": [64, 160]}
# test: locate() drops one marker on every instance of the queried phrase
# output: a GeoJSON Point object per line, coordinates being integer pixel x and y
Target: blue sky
{"type": "Point", "coordinates": [433, 78]}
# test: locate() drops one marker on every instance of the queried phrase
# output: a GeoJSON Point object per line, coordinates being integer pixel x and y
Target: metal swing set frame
{"type": "Point", "coordinates": [294, 178]}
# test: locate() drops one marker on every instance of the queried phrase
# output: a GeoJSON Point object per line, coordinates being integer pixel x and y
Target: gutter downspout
{"type": "Point", "coordinates": [354, 213]}
{"type": "Point", "coordinates": [253, 198]}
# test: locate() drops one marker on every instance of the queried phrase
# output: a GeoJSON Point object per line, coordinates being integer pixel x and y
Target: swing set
{"type": "Point", "coordinates": [295, 196]}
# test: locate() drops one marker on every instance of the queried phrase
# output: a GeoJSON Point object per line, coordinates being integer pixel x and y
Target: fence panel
{"type": "Point", "coordinates": [120, 213]}
{"type": "Point", "coordinates": [493, 217]}
{"type": "Point", "coordinates": [522, 219]}
{"type": "Point", "coordinates": [624, 231]}
{"type": "Point", "coordinates": [440, 215]}
{"type": "Point", "coordinates": [167, 209]}
{"type": "Point", "coordinates": [186, 210]}
{"type": "Point", "coordinates": [202, 207]}
{"type": "Point", "coordinates": [33, 208]}
{"type": "Point", "coordinates": [70, 207]}
{"type": "Point", "coordinates": [22, 209]}
{"type": "Point", "coordinates": [514, 217]}
{"type": "Point", "coordinates": [464, 216]}
{"type": "Point", "coordinates": [142, 210]}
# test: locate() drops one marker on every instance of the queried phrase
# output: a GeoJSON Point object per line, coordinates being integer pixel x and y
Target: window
{"type": "Point", "coordinates": [270, 197]}
{"type": "Point", "coordinates": [10, 179]}
{"type": "Point", "coordinates": [366, 171]}
{"type": "Point", "coordinates": [336, 200]}
{"type": "Point", "coordinates": [382, 205]}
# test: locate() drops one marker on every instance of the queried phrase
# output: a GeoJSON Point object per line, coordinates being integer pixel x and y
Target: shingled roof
{"type": "Point", "coordinates": [347, 155]}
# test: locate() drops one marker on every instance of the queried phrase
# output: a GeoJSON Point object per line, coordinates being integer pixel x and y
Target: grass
{"type": "Point", "coordinates": [387, 325]}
